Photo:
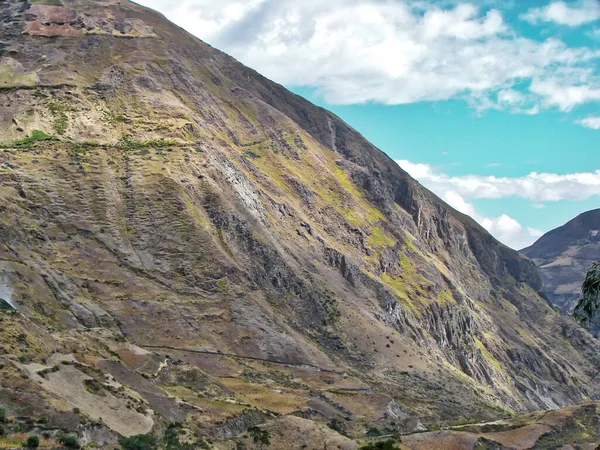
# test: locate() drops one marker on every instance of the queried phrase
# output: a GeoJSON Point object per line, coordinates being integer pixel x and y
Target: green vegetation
{"type": "Point", "coordinates": [339, 426]}
{"type": "Point", "coordinates": [139, 442]}
{"type": "Point", "coordinates": [488, 356]}
{"type": "Point", "coordinates": [383, 445]}
{"type": "Point", "coordinates": [261, 438]}
{"type": "Point", "coordinates": [128, 143]}
{"type": "Point", "coordinates": [32, 442]}
{"type": "Point", "coordinates": [70, 442]}
{"type": "Point", "coordinates": [2, 415]}
{"type": "Point", "coordinates": [379, 238]}
{"type": "Point", "coordinates": [36, 136]}
{"type": "Point", "coordinates": [330, 305]}
{"type": "Point", "coordinates": [588, 306]}
{"type": "Point", "coordinates": [61, 123]}
{"type": "Point", "coordinates": [112, 117]}
{"type": "Point", "coordinates": [172, 441]}
{"type": "Point", "coordinates": [59, 109]}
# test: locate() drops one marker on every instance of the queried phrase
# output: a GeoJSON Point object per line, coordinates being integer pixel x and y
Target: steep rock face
{"type": "Point", "coordinates": [164, 205]}
{"type": "Point", "coordinates": [564, 256]}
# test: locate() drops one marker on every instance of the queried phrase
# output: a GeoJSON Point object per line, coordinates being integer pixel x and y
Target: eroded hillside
{"type": "Point", "coordinates": [189, 243]}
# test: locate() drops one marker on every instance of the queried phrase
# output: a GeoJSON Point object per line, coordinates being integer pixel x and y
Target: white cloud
{"type": "Point", "coordinates": [504, 228]}
{"type": "Point", "coordinates": [560, 12]}
{"type": "Point", "coordinates": [392, 52]}
{"type": "Point", "coordinates": [535, 232]}
{"type": "Point", "coordinates": [592, 122]}
{"type": "Point", "coordinates": [537, 187]}
{"type": "Point", "coordinates": [458, 191]}
{"type": "Point", "coordinates": [565, 97]}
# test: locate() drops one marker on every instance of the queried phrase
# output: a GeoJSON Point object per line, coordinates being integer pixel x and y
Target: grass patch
{"type": "Point", "coordinates": [128, 143]}
{"type": "Point", "coordinates": [488, 356]}
{"type": "Point", "coordinates": [265, 397]}
{"type": "Point", "coordinates": [19, 440]}
{"type": "Point", "coordinates": [379, 238]}
{"type": "Point", "coordinates": [58, 107]}
{"type": "Point", "coordinates": [113, 117]}
{"type": "Point", "coordinates": [61, 123]}
{"type": "Point", "coordinates": [36, 136]}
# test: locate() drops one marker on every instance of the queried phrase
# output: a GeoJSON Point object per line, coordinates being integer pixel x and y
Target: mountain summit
{"type": "Point", "coordinates": [193, 251]}
{"type": "Point", "coordinates": [564, 255]}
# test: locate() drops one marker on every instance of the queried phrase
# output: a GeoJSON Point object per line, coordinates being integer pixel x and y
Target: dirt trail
{"type": "Point", "coordinates": [250, 358]}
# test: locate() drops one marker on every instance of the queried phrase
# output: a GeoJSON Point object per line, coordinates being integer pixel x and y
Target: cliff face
{"type": "Point", "coordinates": [564, 256]}
{"type": "Point", "coordinates": [223, 251]}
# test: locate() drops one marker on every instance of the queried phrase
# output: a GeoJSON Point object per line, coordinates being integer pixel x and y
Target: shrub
{"type": "Point", "coordinates": [139, 442]}
{"type": "Point", "coordinates": [339, 426]}
{"type": "Point", "coordinates": [382, 445]}
{"type": "Point", "coordinates": [2, 415]}
{"type": "Point", "coordinates": [32, 442]}
{"type": "Point", "coordinates": [70, 442]}
{"type": "Point", "coordinates": [261, 438]}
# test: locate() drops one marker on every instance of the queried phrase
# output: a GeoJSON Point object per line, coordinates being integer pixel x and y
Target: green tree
{"type": "Point", "coordinates": [70, 442]}
{"type": "Point", "coordinates": [139, 442]}
{"type": "Point", "coordinates": [588, 306]}
{"type": "Point", "coordinates": [261, 438]}
{"type": "Point", "coordinates": [32, 442]}
{"type": "Point", "coordinates": [339, 426]}
{"type": "Point", "coordinates": [383, 445]}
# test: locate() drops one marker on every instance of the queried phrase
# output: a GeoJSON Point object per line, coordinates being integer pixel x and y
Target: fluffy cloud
{"type": "Point", "coordinates": [560, 12]}
{"type": "Point", "coordinates": [394, 52]}
{"type": "Point", "coordinates": [592, 122]}
{"type": "Point", "coordinates": [537, 187]}
{"type": "Point", "coordinates": [565, 97]}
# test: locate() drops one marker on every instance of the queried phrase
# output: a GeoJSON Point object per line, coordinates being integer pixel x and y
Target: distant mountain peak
{"type": "Point", "coordinates": [564, 255]}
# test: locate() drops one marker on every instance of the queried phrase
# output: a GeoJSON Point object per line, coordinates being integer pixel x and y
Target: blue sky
{"type": "Point", "coordinates": [493, 105]}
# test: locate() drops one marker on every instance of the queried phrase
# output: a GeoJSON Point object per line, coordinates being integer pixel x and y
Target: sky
{"type": "Point", "coordinates": [494, 105]}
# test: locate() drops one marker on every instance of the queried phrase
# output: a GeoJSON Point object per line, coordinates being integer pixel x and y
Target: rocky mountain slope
{"type": "Point", "coordinates": [192, 251]}
{"type": "Point", "coordinates": [564, 256]}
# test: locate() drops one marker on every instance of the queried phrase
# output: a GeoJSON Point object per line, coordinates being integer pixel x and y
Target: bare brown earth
{"type": "Point", "coordinates": [215, 254]}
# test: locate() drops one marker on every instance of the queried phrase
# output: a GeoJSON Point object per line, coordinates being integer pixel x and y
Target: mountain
{"type": "Point", "coordinates": [564, 256]}
{"type": "Point", "coordinates": [197, 253]}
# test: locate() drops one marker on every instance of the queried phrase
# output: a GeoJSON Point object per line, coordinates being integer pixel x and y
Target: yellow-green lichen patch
{"type": "Point", "coordinates": [489, 357]}
{"type": "Point", "coordinates": [401, 290]}
{"type": "Point", "coordinates": [379, 238]}
{"type": "Point", "coordinates": [445, 297]}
